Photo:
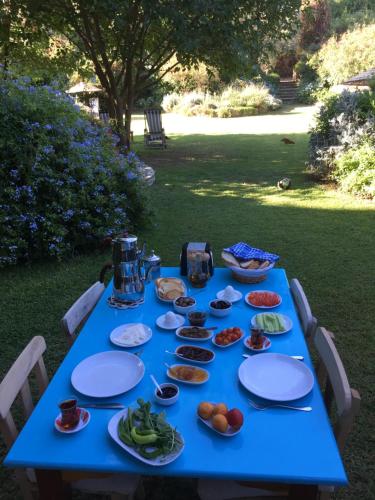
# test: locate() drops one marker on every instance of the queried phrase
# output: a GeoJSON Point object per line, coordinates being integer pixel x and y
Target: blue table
{"type": "Point", "coordinates": [275, 445]}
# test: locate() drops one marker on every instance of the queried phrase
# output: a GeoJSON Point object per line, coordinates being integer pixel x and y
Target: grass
{"type": "Point", "coordinates": [222, 189]}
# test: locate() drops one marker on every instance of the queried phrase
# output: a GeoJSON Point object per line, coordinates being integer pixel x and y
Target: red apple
{"type": "Point", "coordinates": [235, 418]}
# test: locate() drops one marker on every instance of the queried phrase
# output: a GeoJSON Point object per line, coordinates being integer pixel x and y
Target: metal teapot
{"type": "Point", "coordinates": [129, 276]}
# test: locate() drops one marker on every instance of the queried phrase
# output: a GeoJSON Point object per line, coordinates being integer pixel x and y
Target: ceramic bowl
{"type": "Point", "coordinates": [184, 309]}
{"type": "Point", "coordinates": [167, 401]}
{"type": "Point", "coordinates": [220, 313]}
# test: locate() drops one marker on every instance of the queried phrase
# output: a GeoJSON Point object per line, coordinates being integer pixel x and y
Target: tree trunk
{"type": "Point", "coordinates": [119, 110]}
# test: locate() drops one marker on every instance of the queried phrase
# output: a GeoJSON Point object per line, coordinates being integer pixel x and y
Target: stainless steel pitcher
{"type": "Point", "coordinates": [129, 276]}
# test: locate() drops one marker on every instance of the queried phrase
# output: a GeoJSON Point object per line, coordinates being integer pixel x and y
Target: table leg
{"type": "Point", "coordinates": [305, 491]}
{"type": "Point", "coordinates": [51, 485]}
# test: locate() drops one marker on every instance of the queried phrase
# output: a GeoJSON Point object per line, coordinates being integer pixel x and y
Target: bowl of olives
{"type": "Point", "coordinates": [184, 305]}
{"type": "Point", "coordinates": [220, 308]}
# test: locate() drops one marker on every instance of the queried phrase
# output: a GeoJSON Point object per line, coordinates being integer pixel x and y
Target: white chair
{"type": "Point", "coordinates": [308, 322]}
{"type": "Point", "coordinates": [154, 134]}
{"type": "Point", "coordinates": [16, 382]}
{"type": "Point", "coordinates": [80, 310]}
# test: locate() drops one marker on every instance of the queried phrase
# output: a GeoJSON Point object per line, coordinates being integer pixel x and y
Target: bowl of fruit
{"type": "Point", "coordinates": [220, 419]}
{"type": "Point", "coordinates": [228, 337]}
{"type": "Point", "coordinates": [220, 308]}
{"type": "Point", "coordinates": [184, 305]}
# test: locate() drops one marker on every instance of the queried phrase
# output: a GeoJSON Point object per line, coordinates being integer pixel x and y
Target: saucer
{"type": "Point", "coordinates": [180, 320]}
{"type": "Point", "coordinates": [235, 296]}
{"type": "Point", "coordinates": [84, 419]}
{"type": "Point", "coordinates": [266, 344]}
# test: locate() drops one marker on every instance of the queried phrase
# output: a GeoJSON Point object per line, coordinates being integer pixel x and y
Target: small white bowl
{"type": "Point", "coordinates": [182, 309]}
{"type": "Point", "coordinates": [168, 401]}
{"type": "Point", "coordinates": [170, 321]}
{"type": "Point", "coordinates": [220, 313]}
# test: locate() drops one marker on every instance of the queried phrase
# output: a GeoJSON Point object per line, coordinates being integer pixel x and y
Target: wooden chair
{"type": "Point", "coordinates": [308, 322]}
{"type": "Point", "coordinates": [80, 310]}
{"type": "Point", "coordinates": [335, 387]}
{"type": "Point", "coordinates": [16, 382]}
{"type": "Point", "coordinates": [154, 133]}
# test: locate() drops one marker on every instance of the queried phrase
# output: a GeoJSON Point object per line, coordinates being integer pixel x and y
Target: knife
{"type": "Point", "coordinates": [299, 358]}
{"type": "Point", "coordinates": [103, 406]}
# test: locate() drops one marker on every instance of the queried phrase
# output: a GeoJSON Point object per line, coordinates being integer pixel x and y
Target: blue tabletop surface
{"type": "Point", "coordinates": [274, 445]}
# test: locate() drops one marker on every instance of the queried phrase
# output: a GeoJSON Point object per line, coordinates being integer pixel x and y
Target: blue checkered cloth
{"type": "Point", "coordinates": [246, 252]}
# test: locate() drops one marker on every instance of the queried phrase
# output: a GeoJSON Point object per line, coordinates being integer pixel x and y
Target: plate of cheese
{"type": "Point", "coordinates": [131, 334]}
{"type": "Point", "coordinates": [168, 289]}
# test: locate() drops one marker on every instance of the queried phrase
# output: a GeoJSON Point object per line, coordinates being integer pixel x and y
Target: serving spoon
{"type": "Point", "coordinates": [156, 384]}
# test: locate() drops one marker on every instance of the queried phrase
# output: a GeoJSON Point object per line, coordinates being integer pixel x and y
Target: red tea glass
{"type": "Point", "coordinates": [69, 413]}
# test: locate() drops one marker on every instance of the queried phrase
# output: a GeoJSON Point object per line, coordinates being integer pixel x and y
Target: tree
{"type": "Point", "coordinates": [28, 46]}
{"type": "Point", "coordinates": [131, 42]}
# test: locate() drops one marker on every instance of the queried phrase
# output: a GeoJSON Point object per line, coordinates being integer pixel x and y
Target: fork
{"type": "Point", "coordinates": [258, 406]}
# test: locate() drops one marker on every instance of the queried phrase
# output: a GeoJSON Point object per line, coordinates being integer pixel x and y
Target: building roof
{"type": "Point", "coordinates": [84, 88]}
{"type": "Point", "coordinates": [362, 78]}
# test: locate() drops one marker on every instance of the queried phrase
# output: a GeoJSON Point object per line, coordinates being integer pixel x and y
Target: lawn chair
{"type": "Point", "coordinates": [154, 132]}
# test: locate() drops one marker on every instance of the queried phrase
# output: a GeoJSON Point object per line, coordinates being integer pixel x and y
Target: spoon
{"type": "Point", "coordinates": [299, 358]}
{"type": "Point", "coordinates": [156, 384]}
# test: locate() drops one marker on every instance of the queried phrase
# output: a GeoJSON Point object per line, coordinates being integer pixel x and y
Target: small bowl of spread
{"type": "Point", "coordinates": [169, 394]}
{"type": "Point", "coordinates": [220, 308]}
{"type": "Point", "coordinates": [184, 305]}
{"type": "Point", "coordinates": [197, 318]}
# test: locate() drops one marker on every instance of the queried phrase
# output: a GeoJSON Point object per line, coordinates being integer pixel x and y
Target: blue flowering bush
{"type": "Point", "coordinates": [63, 185]}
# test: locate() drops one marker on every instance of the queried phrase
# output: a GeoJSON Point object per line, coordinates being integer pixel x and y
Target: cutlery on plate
{"type": "Point", "coordinates": [103, 406]}
{"type": "Point", "coordinates": [299, 358]}
{"type": "Point", "coordinates": [259, 406]}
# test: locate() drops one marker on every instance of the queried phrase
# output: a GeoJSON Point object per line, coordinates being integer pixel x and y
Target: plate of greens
{"type": "Point", "coordinates": [272, 323]}
{"type": "Point", "coordinates": [146, 435]}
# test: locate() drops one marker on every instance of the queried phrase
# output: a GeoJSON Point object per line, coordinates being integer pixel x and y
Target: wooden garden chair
{"type": "Point", "coordinates": [80, 310]}
{"type": "Point", "coordinates": [308, 322]}
{"type": "Point", "coordinates": [16, 382]}
{"type": "Point", "coordinates": [335, 388]}
{"type": "Point", "coordinates": [154, 133]}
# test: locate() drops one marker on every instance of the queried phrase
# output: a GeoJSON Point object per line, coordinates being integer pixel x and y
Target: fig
{"type": "Point", "coordinates": [220, 408]}
{"type": "Point", "coordinates": [205, 410]}
{"type": "Point", "coordinates": [219, 422]}
{"type": "Point", "coordinates": [235, 418]}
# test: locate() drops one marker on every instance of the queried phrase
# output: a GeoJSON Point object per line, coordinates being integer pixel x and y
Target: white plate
{"type": "Point", "coordinates": [230, 432]}
{"type": "Point", "coordinates": [262, 307]}
{"type": "Point", "coordinates": [276, 377]}
{"type": "Point", "coordinates": [235, 298]}
{"type": "Point", "coordinates": [250, 273]}
{"type": "Point", "coordinates": [84, 419]}
{"type": "Point", "coordinates": [188, 381]}
{"type": "Point", "coordinates": [118, 332]}
{"type": "Point", "coordinates": [170, 301]}
{"type": "Point", "coordinates": [266, 344]}
{"type": "Point", "coordinates": [112, 429]}
{"type": "Point", "coordinates": [194, 339]}
{"type": "Point", "coordinates": [287, 321]}
{"type": "Point", "coordinates": [194, 360]}
{"type": "Point", "coordinates": [107, 374]}
{"type": "Point", "coordinates": [180, 320]}
{"type": "Point", "coordinates": [228, 345]}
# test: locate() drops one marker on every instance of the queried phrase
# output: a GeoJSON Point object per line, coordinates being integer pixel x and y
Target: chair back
{"type": "Point", "coordinates": [81, 309]}
{"type": "Point", "coordinates": [14, 383]}
{"type": "Point", "coordinates": [153, 120]}
{"type": "Point", "coordinates": [308, 322]}
{"type": "Point", "coordinates": [336, 386]}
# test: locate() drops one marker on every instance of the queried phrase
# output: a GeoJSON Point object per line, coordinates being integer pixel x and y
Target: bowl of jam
{"type": "Point", "coordinates": [220, 308]}
{"type": "Point", "coordinates": [169, 394]}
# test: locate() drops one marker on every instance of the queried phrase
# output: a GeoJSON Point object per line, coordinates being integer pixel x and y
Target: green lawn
{"type": "Point", "coordinates": [223, 189]}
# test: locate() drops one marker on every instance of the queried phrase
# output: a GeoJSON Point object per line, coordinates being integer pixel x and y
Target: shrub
{"type": "Point", "coordinates": [341, 58]}
{"type": "Point", "coordinates": [354, 169]}
{"type": "Point", "coordinates": [63, 185]}
{"type": "Point", "coordinates": [342, 141]}
{"type": "Point", "coordinates": [239, 99]}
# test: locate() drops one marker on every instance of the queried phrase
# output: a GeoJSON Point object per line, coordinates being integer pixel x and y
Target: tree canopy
{"type": "Point", "coordinates": [131, 43]}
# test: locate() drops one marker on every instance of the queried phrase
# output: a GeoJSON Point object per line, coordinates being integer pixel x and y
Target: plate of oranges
{"type": "Point", "coordinates": [219, 418]}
